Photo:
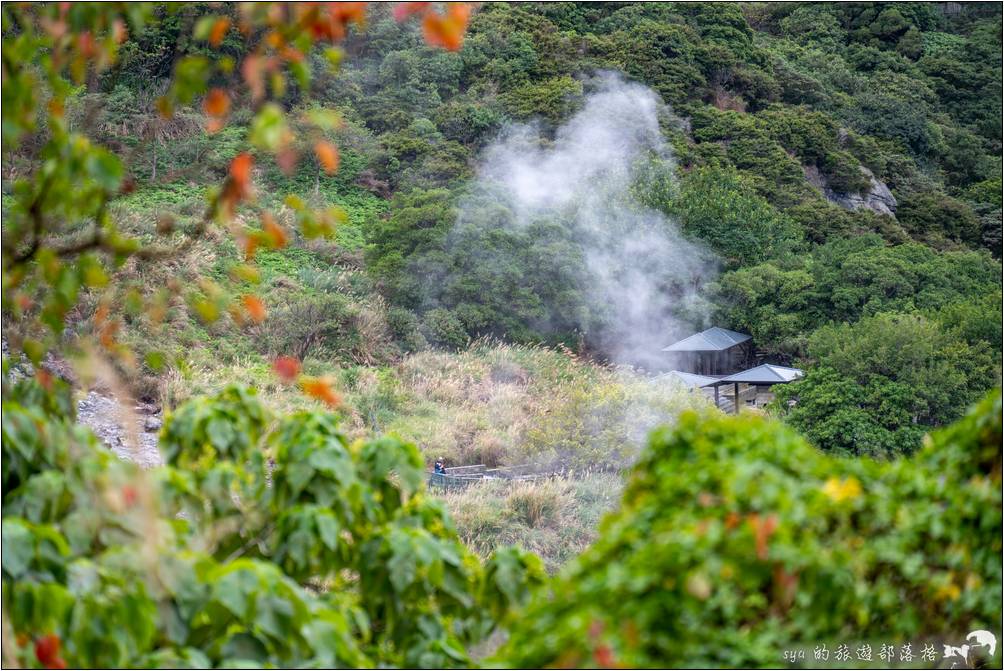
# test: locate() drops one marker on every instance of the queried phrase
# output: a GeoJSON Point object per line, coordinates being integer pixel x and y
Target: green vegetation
{"type": "Point", "coordinates": [262, 219]}
{"type": "Point", "coordinates": [736, 540]}
{"type": "Point", "coordinates": [555, 518]}
{"type": "Point", "coordinates": [787, 111]}
{"type": "Point", "coordinates": [328, 554]}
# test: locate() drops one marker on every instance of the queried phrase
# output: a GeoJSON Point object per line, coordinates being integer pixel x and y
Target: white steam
{"type": "Point", "coordinates": [639, 270]}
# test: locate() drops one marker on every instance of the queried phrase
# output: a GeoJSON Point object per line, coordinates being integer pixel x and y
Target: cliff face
{"type": "Point", "coordinates": [877, 198]}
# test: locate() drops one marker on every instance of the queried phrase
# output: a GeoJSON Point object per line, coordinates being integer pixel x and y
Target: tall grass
{"type": "Point", "coordinates": [556, 518]}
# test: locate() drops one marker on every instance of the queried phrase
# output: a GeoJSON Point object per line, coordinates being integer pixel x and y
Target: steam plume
{"type": "Point", "coordinates": [639, 275]}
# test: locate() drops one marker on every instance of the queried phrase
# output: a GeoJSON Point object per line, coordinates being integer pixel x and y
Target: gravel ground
{"type": "Point", "coordinates": [105, 415]}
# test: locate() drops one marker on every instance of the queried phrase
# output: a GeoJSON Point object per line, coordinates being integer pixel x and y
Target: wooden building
{"type": "Point", "coordinates": [723, 362]}
{"type": "Point", "coordinates": [716, 351]}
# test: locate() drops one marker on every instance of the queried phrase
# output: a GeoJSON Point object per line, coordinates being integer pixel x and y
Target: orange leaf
{"type": "Point", "coordinates": [348, 12]}
{"type": "Point", "coordinates": [240, 169]}
{"type": "Point", "coordinates": [286, 158]}
{"type": "Point", "coordinates": [238, 187]}
{"type": "Point", "coordinates": [119, 31]}
{"type": "Point", "coordinates": [250, 247]}
{"type": "Point", "coordinates": [165, 107]}
{"type": "Point", "coordinates": [253, 70]}
{"type": "Point", "coordinates": [276, 234]}
{"type": "Point", "coordinates": [327, 156]}
{"type": "Point", "coordinates": [217, 103]}
{"type": "Point", "coordinates": [255, 308]}
{"type": "Point", "coordinates": [287, 368]}
{"type": "Point", "coordinates": [219, 31]}
{"type": "Point", "coordinates": [320, 388]}
{"type": "Point", "coordinates": [447, 31]}
{"type": "Point", "coordinates": [44, 378]}
{"type": "Point", "coordinates": [292, 55]}
{"type": "Point", "coordinates": [762, 530]}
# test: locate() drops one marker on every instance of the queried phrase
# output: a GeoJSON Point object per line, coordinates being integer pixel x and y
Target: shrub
{"type": "Point", "coordinates": [736, 540]}
{"type": "Point", "coordinates": [442, 328]}
{"type": "Point", "coordinates": [331, 556]}
{"type": "Point", "coordinates": [404, 325]}
{"type": "Point", "coordinates": [307, 325]}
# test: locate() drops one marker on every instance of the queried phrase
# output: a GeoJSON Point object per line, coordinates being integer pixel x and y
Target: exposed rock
{"type": "Point", "coordinates": [103, 415]}
{"type": "Point", "coordinates": [878, 198]}
{"type": "Point", "coordinates": [152, 424]}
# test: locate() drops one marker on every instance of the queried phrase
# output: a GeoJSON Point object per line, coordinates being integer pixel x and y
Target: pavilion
{"type": "Point", "coordinates": [717, 357]}
{"type": "Point", "coordinates": [764, 375]}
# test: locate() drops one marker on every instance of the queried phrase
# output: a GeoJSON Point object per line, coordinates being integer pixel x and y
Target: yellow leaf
{"type": "Point", "coordinates": [842, 490]}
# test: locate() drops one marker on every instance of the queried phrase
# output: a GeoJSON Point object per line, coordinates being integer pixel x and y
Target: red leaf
{"type": "Point", "coordinates": [47, 652]}
{"type": "Point", "coordinates": [287, 368]}
{"type": "Point", "coordinates": [406, 10]}
{"type": "Point", "coordinates": [605, 657]}
{"type": "Point", "coordinates": [130, 495]}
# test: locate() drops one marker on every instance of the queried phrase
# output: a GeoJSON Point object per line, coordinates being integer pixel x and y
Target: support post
{"type": "Point", "coordinates": [716, 397]}
{"type": "Point", "coordinates": [735, 398]}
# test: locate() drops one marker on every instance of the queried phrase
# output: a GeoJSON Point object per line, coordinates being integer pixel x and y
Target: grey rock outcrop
{"type": "Point", "coordinates": [105, 416]}
{"type": "Point", "coordinates": [878, 198]}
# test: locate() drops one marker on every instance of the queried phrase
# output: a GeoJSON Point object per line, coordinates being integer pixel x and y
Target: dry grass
{"type": "Point", "coordinates": [555, 518]}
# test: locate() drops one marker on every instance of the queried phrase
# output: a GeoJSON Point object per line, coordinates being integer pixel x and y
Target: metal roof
{"type": "Point", "coordinates": [765, 374]}
{"type": "Point", "coordinates": [691, 379]}
{"type": "Point", "coordinates": [715, 339]}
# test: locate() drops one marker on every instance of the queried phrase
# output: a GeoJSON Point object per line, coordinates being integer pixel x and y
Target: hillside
{"type": "Point", "coordinates": [841, 163]}
{"type": "Point", "coordinates": [322, 247]}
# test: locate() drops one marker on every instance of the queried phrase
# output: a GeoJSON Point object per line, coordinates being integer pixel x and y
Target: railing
{"type": "Point", "coordinates": [457, 477]}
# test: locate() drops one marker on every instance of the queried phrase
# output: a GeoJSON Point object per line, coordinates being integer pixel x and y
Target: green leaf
{"type": "Point", "coordinates": [327, 528]}
{"type": "Point", "coordinates": [233, 591]}
{"type": "Point", "coordinates": [18, 547]}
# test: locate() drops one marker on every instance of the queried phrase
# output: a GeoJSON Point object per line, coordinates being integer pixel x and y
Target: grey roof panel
{"type": "Point", "coordinates": [691, 379]}
{"type": "Point", "coordinates": [765, 374]}
{"type": "Point", "coordinates": [715, 339]}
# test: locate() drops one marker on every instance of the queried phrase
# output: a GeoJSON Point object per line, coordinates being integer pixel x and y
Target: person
{"type": "Point", "coordinates": [440, 467]}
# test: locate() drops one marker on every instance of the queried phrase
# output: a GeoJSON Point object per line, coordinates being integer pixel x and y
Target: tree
{"type": "Point", "coordinates": [877, 385]}
{"type": "Point", "coordinates": [718, 207]}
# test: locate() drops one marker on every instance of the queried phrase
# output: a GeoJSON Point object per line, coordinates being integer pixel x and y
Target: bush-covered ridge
{"type": "Point", "coordinates": [736, 540]}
